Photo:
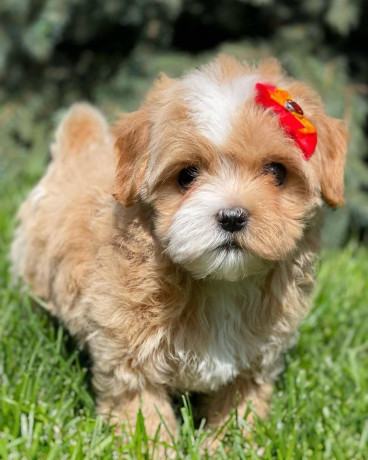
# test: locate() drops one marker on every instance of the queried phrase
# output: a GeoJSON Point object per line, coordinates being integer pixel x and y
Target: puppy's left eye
{"type": "Point", "coordinates": [278, 171]}
{"type": "Point", "coordinates": [187, 176]}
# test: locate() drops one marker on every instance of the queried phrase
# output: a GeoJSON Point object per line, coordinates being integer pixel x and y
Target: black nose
{"type": "Point", "coordinates": [233, 220]}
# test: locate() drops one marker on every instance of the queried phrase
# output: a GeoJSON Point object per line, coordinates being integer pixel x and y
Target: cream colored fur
{"type": "Point", "coordinates": [116, 273]}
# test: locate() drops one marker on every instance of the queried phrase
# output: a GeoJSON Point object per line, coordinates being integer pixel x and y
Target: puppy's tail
{"type": "Point", "coordinates": [83, 126]}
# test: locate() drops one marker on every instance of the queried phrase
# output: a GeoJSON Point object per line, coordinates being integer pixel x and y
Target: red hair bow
{"type": "Point", "coordinates": [290, 115]}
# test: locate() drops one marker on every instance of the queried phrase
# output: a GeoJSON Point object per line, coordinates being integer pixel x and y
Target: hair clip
{"type": "Point", "coordinates": [291, 116]}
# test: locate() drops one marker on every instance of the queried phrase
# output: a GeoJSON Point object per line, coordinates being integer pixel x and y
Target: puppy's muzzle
{"type": "Point", "coordinates": [233, 220]}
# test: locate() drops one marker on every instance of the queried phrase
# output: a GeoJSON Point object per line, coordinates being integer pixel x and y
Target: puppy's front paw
{"type": "Point", "coordinates": [147, 411]}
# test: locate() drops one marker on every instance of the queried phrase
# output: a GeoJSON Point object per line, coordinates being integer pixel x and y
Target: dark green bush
{"type": "Point", "coordinates": [55, 52]}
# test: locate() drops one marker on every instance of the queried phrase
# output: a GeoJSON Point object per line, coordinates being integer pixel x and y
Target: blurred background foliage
{"type": "Point", "coordinates": [55, 52]}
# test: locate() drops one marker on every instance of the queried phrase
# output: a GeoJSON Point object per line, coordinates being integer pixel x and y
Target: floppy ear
{"type": "Point", "coordinates": [332, 146]}
{"type": "Point", "coordinates": [131, 149]}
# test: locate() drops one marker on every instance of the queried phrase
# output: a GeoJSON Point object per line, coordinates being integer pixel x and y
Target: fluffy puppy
{"type": "Point", "coordinates": [186, 263]}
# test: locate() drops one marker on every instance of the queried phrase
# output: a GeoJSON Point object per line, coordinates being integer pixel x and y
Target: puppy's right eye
{"type": "Point", "coordinates": [187, 176]}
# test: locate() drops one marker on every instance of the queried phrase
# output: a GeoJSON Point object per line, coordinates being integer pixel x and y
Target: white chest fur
{"type": "Point", "coordinates": [222, 345]}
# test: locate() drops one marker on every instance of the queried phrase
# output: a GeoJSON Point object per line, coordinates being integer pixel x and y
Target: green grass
{"type": "Point", "coordinates": [319, 407]}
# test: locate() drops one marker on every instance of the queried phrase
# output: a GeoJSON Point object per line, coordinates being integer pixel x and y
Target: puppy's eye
{"type": "Point", "coordinates": [278, 171]}
{"type": "Point", "coordinates": [187, 176]}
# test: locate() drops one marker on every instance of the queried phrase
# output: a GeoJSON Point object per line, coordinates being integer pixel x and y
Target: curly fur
{"type": "Point", "coordinates": [128, 261]}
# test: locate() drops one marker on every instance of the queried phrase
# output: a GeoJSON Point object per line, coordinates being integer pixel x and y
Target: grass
{"type": "Point", "coordinates": [319, 407]}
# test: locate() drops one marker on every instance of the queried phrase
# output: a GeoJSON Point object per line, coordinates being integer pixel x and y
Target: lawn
{"type": "Point", "coordinates": [319, 407]}
{"type": "Point", "coordinates": [320, 403]}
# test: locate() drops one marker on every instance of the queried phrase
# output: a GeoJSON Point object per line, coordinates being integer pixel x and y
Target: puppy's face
{"type": "Point", "coordinates": [231, 193]}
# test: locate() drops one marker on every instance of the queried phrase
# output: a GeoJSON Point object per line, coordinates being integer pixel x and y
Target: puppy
{"type": "Point", "coordinates": [186, 263]}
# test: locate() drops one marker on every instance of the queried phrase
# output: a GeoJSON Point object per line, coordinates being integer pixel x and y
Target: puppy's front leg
{"type": "Point", "coordinates": [238, 394]}
{"type": "Point", "coordinates": [154, 404]}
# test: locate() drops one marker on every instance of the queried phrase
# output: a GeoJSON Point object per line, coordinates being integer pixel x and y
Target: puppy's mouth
{"type": "Point", "coordinates": [229, 246]}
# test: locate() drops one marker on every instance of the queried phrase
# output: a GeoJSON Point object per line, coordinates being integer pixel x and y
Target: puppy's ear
{"type": "Point", "coordinates": [332, 146]}
{"type": "Point", "coordinates": [131, 150]}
